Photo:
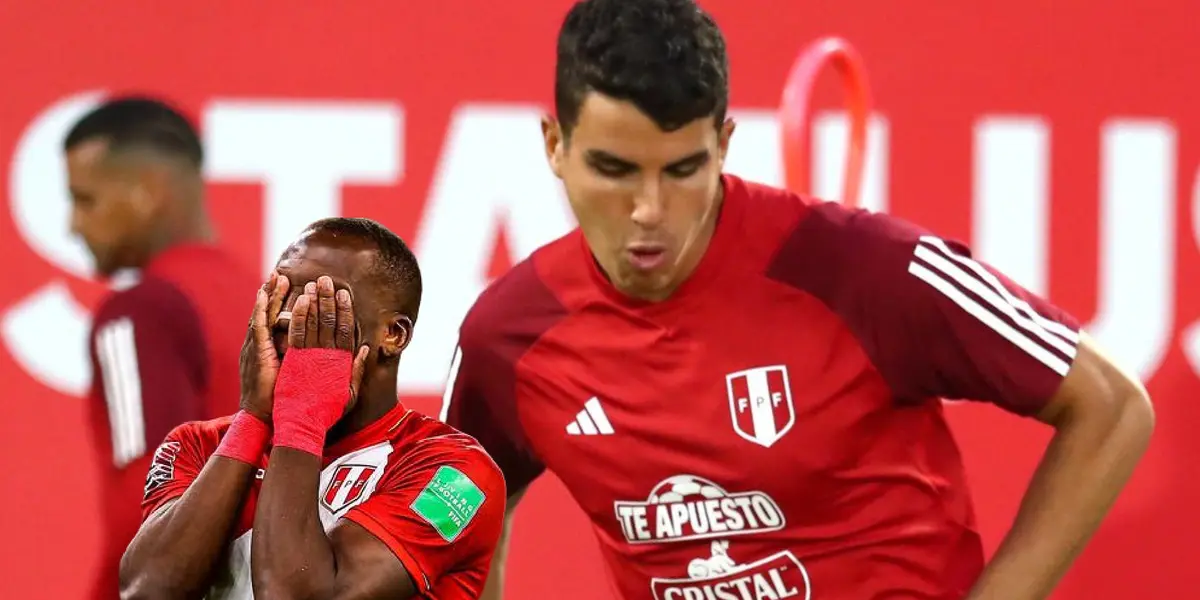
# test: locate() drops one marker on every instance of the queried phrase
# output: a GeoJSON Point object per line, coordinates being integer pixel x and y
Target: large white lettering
{"type": "Point", "coordinates": [302, 153]}
{"type": "Point", "coordinates": [46, 331]}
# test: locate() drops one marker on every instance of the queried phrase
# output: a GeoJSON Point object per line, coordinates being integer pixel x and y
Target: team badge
{"type": "Point", "coordinates": [347, 486]}
{"type": "Point", "coordinates": [760, 403]}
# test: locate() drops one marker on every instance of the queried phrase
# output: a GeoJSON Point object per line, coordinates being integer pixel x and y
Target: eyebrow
{"type": "Point", "coordinates": [607, 157]}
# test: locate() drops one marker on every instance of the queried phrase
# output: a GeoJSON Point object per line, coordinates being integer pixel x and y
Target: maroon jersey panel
{"type": "Point", "coordinates": [772, 430]}
{"type": "Point", "coordinates": [428, 492]}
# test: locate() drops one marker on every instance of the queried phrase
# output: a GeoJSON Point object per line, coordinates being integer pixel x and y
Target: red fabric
{"type": "Point", "coordinates": [187, 341]}
{"type": "Point", "coordinates": [779, 413]}
{"type": "Point", "coordinates": [246, 439]}
{"type": "Point", "coordinates": [311, 394]}
{"type": "Point", "coordinates": [395, 457]}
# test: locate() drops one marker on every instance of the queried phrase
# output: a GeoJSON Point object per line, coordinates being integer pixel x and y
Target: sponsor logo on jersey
{"type": "Point", "coordinates": [162, 467]}
{"type": "Point", "coordinates": [720, 577]}
{"type": "Point", "coordinates": [449, 501]}
{"type": "Point", "coordinates": [760, 403]}
{"type": "Point", "coordinates": [346, 486]}
{"type": "Point", "coordinates": [687, 507]}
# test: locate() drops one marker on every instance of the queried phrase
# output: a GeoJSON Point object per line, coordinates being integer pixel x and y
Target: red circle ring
{"type": "Point", "coordinates": [796, 107]}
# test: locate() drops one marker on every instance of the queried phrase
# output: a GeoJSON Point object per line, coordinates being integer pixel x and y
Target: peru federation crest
{"type": "Point", "coordinates": [760, 403]}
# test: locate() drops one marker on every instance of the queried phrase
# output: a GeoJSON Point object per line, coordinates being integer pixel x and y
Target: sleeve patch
{"type": "Point", "coordinates": [449, 502]}
{"type": "Point", "coordinates": [162, 468]}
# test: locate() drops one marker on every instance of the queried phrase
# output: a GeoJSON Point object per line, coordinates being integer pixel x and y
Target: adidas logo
{"type": "Point", "coordinates": [591, 420]}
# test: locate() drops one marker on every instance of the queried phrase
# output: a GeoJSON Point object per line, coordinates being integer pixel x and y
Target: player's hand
{"type": "Point", "coordinates": [324, 318]}
{"type": "Point", "coordinates": [259, 365]}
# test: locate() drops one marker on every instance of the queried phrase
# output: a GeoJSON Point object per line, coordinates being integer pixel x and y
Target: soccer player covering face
{"type": "Point", "coordinates": [741, 386]}
{"type": "Point", "coordinates": [323, 485]}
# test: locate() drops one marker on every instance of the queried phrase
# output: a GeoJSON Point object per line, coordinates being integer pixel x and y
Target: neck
{"type": "Point", "coordinates": [376, 398]}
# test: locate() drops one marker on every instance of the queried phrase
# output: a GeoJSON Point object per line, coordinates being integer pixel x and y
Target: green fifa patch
{"type": "Point", "coordinates": [449, 501]}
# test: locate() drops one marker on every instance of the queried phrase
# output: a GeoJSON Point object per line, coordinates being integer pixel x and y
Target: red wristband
{"type": "Point", "coordinates": [311, 394]}
{"type": "Point", "coordinates": [245, 440]}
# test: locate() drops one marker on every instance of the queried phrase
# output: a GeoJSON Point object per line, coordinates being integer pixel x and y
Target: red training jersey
{"type": "Point", "coordinates": [164, 351]}
{"type": "Point", "coordinates": [428, 492]}
{"type": "Point", "coordinates": [774, 428]}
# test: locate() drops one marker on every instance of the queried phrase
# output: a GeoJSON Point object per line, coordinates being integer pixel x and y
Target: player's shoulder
{"type": "Point", "coordinates": [201, 436]}
{"type": "Point", "coordinates": [141, 296]}
{"type": "Point", "coordinates": [423, 442]}
{"type": "Point", "coordinates": [526, 300]}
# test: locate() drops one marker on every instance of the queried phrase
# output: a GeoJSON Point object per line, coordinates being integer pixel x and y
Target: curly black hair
{"type": "Point", "coordinates": [667, 57]}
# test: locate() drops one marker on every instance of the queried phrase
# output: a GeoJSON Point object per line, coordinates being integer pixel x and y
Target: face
{"type": "Point", "coordinates": [645, 199]}
{"type": "Point", "coordinates": [348, 262]}
{"type": "Point", "coordinates": [111, 206]}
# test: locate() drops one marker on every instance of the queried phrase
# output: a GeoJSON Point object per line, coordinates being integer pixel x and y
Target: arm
{"type": "Point", "coordinates": [291, 556]}
{"type": "Point", "coordinates": [190, 513]}
{"type": "Point", "coordinates": [939, 324]}
{"type": "Point", "coordinates": [494, 589]}
{"type": "Point", "coordinates": [1103, 420]}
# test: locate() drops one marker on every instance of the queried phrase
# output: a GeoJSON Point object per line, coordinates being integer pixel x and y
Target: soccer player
{"type": "Point", "coordinates": [323, 485]}
{"type": "Point", "coordinates": [740, 386]}
{"type": "Point", "coordinates": [163, 348]}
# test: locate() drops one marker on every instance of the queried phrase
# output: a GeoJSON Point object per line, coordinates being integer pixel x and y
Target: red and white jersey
{"type": "Point", "coordinates": [774, 429]}
{"type": "Point", "coordinates": [428, 492]}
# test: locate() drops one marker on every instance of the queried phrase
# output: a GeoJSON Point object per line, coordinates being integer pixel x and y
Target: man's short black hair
{"type": "Point", "coordinates": [667, 57]}
{"type": "Point", "coordinates": [395, 267]}
{"type": "Point", "coordinates": [139, 122]}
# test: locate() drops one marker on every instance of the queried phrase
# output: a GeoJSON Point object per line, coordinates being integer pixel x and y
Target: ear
{"type": "Point", "coordinates": [399, 334]}
{"type": "Point", "coordinates": [552, 136]}
{"type": "Point", "coordinates": [723, 138]}
{"type": "Point", "coordinates": [149, 190]}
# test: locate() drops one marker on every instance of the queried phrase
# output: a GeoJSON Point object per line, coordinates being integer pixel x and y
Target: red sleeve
{"type": "Point", "coordinates": [150, 363]}
{"type": "Point", "coordinates": [441, 514]}
{"type": "Point", "coordinates": [176, 464]}
{"type": "Point", "coordinates": [480, 397]}
{"type": "Point", "coordinates": [934, 321]}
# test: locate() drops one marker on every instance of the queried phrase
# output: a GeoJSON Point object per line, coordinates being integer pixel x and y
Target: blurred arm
{"type": "Point", "coordinates": [494, 590]}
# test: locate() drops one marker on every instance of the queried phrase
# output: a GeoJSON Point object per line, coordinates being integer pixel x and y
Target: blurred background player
{"type": "Point", "coordinates": [361, 497]}
{"type": "Point", "coordinates": [741, 387]}
{"type": "Point", "coordinates": [164, 345]}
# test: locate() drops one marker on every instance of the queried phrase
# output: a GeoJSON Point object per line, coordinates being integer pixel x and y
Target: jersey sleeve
{"type": "Point", "coordinates": [936, 322]}
{"type": "Point", "coordinates": [441, 514]}
{"type": "Point", "coordinates": [176, 464]}
{"type": "Point", "coordinates": [149, 362]}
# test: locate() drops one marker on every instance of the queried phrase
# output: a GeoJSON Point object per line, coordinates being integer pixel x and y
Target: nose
{"type": "Point", "coordinates": [648, 204]}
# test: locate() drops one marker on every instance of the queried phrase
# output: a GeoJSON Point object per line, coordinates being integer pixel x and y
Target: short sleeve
{"type": "Point", "coordinates": [440, 513]}
{"type": "Point", "coordinates": [149, 359]}
{"type": "Point", "coordinates": [176, 464]}
{"type": "Point", "coordinates": [934, 321]}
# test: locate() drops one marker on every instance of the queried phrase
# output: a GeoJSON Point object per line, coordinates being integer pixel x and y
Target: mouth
{"type": "Point", "coordinates": [646, 257]}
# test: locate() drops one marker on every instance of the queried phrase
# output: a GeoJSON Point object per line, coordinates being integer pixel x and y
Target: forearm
{"type": "Point", "coordinates": [291, 556]}
{"type": "Point", "coordinates": [1084, 468]}
{"type": "Point", "coordinates": [173, 554]}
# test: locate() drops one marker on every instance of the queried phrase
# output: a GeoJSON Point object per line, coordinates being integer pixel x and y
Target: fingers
{"type": "Point", "coordinates": [299, 325]}
{"type": "Point", "coordinates": [344, 337]}
{"type": "Point", "coordinates": [258, 319]}
{"type": "Point", "coordinates": [312, 323]}
{"type": "Point", "coordinates": [278, 295]}
{"type": "Point", "coordinates": [327, 313]}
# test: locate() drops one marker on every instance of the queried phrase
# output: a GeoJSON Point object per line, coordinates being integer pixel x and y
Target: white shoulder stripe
{"type": "Point", "coordinates": [987, 317]}
{"type": "Point", "coordinates": [1068, 334]}
{"type": "Point", "coordinates": [945, 268]}
{"type": "Point", "coordinates": [116, 351]}
{"type": "Point", "coordinates": [448, 393]}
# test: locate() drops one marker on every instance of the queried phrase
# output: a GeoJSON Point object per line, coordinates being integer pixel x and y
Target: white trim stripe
{"type": "Point", "coordinates": [987, 317]}
{"type": "Point", "coordinates": [448, 393]}
{"type": "Point", "coordinates": [116, 352]}
{"type": "Point", "coordinates": [989, 295]}
{"type": "Point", "coordinates": [1050, 325]}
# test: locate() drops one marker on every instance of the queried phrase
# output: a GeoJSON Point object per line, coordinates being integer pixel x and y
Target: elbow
{"type": "Point", "coordinates": [146, 586]}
